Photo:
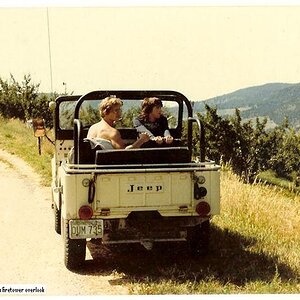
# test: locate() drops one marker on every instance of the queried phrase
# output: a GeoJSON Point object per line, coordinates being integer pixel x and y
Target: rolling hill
{"type": "Point", "coordinates": [273, 100]}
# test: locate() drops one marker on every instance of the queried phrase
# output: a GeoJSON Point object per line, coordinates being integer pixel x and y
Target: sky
{"type": "Point", "coordinates": [200, 50]}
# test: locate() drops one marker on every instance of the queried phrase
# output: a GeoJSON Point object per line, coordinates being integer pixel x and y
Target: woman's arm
{"type": "Point", "coordinates": [167, 135]}
{"type": "Point", "coordinates": [141, 128]}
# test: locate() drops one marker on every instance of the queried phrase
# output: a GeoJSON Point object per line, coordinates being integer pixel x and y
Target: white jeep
{"type": "Point", "coordinates": [145, 195]}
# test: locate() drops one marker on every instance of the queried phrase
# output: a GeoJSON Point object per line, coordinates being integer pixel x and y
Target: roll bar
{"type": "Point", "coordinates": [201, 136]}
{"type": "Point", "coordinates": [165, 95]}
{"type": "Point", "coordinates": [77, 136]}
{"type": "Point", "coordinates": [171, 95]}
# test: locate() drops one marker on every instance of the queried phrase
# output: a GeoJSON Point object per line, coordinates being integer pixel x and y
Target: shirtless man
{"type": "Point", "coordinates": [110, 111]}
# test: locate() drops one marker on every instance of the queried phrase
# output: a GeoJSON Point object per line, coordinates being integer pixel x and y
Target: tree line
{"type": "Point", "coordinates": [247, 147]}
{"type": "Point", "coordinates": [23, 100]}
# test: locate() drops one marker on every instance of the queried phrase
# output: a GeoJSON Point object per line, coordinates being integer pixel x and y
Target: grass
{"type": "Point", "coordinates": [18, 139]}
{"type": "Point", "coordinates": [254, 249]}
{"type": "Point", "coordinates": [271, 178]}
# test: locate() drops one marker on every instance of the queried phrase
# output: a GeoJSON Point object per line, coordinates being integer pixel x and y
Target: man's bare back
{"type": "Point", "coordinates": [105, 131]}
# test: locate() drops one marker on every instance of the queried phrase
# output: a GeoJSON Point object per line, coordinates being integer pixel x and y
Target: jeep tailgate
{"type": "Point", "coordinates": [144, 190]}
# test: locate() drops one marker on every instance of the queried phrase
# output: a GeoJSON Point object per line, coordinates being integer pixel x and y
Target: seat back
{"type": "Point", "coordinates": [165, 155]}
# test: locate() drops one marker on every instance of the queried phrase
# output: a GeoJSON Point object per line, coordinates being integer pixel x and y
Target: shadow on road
{"type": "Point", "coordinates": [228, 261]}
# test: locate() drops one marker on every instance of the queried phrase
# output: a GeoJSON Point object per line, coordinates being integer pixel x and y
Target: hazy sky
{"type": "Point", "coordinates": [200, 51]}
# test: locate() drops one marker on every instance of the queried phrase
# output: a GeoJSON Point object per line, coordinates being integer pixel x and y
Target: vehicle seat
{"type": "Point", "coordinates": [164, 155]}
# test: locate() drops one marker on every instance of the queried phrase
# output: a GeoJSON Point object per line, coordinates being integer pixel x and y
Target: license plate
{"type": "Point", "coordinates": [83, 229]}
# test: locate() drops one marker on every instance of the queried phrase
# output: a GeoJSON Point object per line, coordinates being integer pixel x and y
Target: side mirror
{"type": "Point", "coordinates": [39, 128]}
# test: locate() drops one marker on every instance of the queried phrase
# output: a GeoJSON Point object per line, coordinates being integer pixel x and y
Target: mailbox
{"type": "Point", "coordinates": [39, 127]}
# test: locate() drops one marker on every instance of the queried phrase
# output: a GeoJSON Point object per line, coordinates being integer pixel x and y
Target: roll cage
{"type": "Point", "coordinates": [79, 132]}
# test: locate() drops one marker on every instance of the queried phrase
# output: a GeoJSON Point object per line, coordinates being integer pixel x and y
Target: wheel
{"type": "Point", "coordinates": [57, 214]}
{"type": "Point", "coordinates": [198, 238]}
{"type": "Point", "coordinates": [74, 250]}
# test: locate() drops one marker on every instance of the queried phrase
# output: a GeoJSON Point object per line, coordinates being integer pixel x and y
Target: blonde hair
{"type": "Point", "coordinates": [108, 103]}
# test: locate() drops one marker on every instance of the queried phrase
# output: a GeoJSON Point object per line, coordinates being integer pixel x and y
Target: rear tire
{"type": "Point", "coordinates": [57, 216]}
{"type": "Point", "coordinates": [74, 250]}
{"type": "Point", "coordinates": [198, 238]}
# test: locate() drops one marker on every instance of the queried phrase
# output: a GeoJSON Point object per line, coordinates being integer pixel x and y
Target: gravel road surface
{"type": "Point", "coordinates": [31, 251]}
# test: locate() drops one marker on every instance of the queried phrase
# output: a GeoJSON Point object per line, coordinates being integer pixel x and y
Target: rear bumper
{"type": "Point", "coordinates": [143, 227]}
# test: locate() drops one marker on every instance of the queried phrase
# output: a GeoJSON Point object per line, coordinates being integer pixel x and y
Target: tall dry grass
{"type": "Point", "coordinates": [254, 249]}
{"type": "Point", "coordinates": [267, 214]}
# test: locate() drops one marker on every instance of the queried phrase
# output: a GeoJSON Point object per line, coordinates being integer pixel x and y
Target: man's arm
{"type": "Point", "coordinates": [116, 140]}
{"type": "Point", "coordinates": [143, 138]}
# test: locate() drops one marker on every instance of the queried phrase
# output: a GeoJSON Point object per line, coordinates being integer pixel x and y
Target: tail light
{"type": "Point", "coordinates": [203, 208]}
{"type": "Point", "coordinates": [85, 212]}
{"type": "Point", "coordinates": [199, 192]}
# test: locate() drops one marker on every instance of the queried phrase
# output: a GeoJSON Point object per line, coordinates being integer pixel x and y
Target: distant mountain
{"type": "Point", "coordinates": [273, 100]}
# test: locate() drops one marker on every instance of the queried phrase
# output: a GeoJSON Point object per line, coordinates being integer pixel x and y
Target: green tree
{"type": "Point", "coordinates": [89, 115]}
{"type": "Point", "coordinates": [285, 162]}
{"type": "Point", "coordinates": [128, 116]}
{"type": "Point", "coordinates": [247, 148]}
{"type": "Point", "coordinates": [219, 135]}
{"type": "Point", "coordinates": [23, 101]}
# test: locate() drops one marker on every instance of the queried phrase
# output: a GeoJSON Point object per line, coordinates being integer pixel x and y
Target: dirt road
{"type": "Point", "coordinates": [31, 251]}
